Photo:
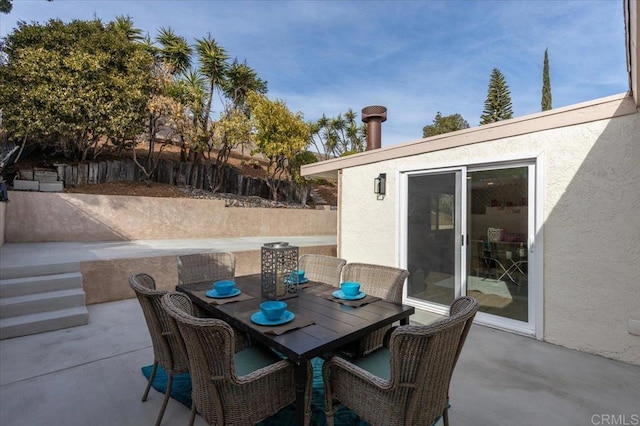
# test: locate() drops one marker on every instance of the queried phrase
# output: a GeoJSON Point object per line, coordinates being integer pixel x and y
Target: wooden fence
{"type": "Point", "coordinates": [198, 176]}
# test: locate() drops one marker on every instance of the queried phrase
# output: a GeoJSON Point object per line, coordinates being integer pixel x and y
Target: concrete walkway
{"type": "Point", "coordinates": [26, 254]}
{"type": "Point", "coordinates": [90, 375]}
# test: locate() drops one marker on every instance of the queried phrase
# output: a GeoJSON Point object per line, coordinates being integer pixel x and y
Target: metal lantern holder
{"type": "Point", "coordinates": [279, 263]}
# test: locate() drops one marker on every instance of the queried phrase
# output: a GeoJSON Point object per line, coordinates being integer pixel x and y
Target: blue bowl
{"type": "Point", "coordinates": [224, 287]}
{"type": "Point", "coordinates": [273, 309]}
{"type": "Point", "coordinates": [350, 288]}
{"type": "Point", "coordinates": [297, 276]}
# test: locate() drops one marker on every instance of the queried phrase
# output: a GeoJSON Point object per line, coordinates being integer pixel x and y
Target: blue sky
{"type": "Point", "coordinates": [414, 57]}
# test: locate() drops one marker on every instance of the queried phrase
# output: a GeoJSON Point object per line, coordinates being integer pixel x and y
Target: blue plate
{"type": "Point", "coordinates": [213, 293]}
{"type": "Point", "coordinates": [340, 295]}
{"type": "Point", "coordinates": [260, 319]}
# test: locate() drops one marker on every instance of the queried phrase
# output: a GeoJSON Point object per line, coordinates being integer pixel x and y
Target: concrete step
{"type": "Point", "coordinates": [28, 270]}
{"type": "Point", "coordinates": [14, 287]}
{"type": "Point", "coordinates": [45, 321]}
{"type": "Point", "coordinates": [41, 302]}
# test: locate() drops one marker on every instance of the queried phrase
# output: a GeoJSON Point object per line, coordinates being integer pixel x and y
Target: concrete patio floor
{"type": "Point", "coordinates": [90, 375]}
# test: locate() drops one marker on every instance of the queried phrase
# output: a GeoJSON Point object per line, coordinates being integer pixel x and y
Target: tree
{"type": "Point", "coordinates": [68, 86]}
{"type": "Point", "coordinates": [232, 130]}
{"type": "Point", "coordinates": [497, 106]}
{"type": "Point", "coordinates": [175, 52]}
{"type": "Point", "coordinates": [338, 136]}
{"type": "Point", "coordinates": [546, 83]}
{"type": "Point", "coordinates": [191, 89]}
{"type": "Point", "coordinates": [6, 6]}
{"type": "Point", "coordinates": [125, 25]}
{"type": "Point", "coordinates": [213, 66]}
{"type": "Point", "coordinates": [446, 124]}
{"type": "Point", "coordinates": [164, 114]}
{"type": "Point", "coordinates": [240, 80]}
{"type": "Point", "coordinates": [280, 136]}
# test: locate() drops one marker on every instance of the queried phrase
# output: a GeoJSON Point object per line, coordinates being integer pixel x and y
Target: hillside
{"type": "Point", "coordinates": [248, 166]}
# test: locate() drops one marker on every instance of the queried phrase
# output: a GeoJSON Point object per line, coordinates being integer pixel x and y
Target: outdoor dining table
{"type": "Point", "coordinates": [327, 324]}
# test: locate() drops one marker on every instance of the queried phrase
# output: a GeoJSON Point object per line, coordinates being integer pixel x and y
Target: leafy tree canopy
{"type": "Point", "coordinates": [6, 6]}
{"type": "Point", "coordinates": [444, 124]}
{"type": "Point", "coordinates": [497, 106]}
{"type": "Point", "coordinates": [280, 135]}
{"type": "Point", "coordinates": [71, 85]}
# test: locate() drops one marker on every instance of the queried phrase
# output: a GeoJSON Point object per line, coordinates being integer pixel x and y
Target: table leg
{"type": "Point", "coordinates": [300, 378]}
{"type": "Point", "coordinates": [404, 321]}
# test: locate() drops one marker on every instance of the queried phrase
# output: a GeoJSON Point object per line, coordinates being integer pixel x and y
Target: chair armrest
{"type": "Point", "coordinates": [387, 336]}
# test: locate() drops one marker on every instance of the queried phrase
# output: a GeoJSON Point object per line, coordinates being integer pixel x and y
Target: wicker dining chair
{"type": "Point", "coordinates": [201, 267]}
{"type": "Point", "coordinates": [385, 282]}
{"type": "Point", "coordinates": [168, 347]}
{"type": "Point", "coordinates": [321, 268]}
{"type": "Point", "coordinates": [209, 267]}
{"type": "Point", "coordinates": [229, 387]}
{"type": "Point", "coordinates": [406, 383]}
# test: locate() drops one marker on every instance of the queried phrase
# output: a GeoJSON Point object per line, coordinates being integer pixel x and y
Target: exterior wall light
{"type": "Point", "coordinates": [380, 185]}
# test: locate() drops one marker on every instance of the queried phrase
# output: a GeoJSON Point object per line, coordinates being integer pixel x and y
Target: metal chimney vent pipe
{"type": "Point", "coordinates": [374, 116]}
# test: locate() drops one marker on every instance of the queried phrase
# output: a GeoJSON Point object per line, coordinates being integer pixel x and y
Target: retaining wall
{"type": "Point", "coordinates": [52, 217]}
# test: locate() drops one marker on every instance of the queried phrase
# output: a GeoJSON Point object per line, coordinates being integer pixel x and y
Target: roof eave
{"type": "Point", "coordinates": [599, 109]}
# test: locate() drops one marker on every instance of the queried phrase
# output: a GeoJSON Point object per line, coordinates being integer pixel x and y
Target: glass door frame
{"type": "Point", "coordinates": [460, 230]}
{"type": "Point", "coordinates": [535, 164]}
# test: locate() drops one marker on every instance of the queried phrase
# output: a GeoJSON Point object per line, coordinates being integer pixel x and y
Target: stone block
{"type": "Point", "coordinates": [45, 175]}
{"type": "Point", "coordinates": [51, 186]}
{"type": "Point", "coordinates": [26, 185]}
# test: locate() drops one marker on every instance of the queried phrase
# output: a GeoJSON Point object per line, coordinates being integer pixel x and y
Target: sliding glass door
{"type": "Point", "coordinates": [498, 230]}
{"type": "Point", "coordinates": [433, 236]}
{"type": "Point", "coordinates": [469, 231]}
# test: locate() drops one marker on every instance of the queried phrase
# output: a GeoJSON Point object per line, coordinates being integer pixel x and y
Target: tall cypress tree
{"type": "Point", "coordinates": [497, 106]}
{"type": "Point", "coordinates": [546, 83]}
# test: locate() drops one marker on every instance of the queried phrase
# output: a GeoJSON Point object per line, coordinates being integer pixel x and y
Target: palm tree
{"type": "Point", "coordinates": [213, 66]}
{"type": "Point", "coordinates": [175, 51]}
{"type": "Point", "coordinates": [193, 94]}
{"type": "Point", "coordinates": [239, 81]}
{"type": "Point", "coordinates": [125, 24]}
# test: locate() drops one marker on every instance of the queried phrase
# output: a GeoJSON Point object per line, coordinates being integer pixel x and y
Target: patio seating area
{"type": "Point", "coordinates": [91, 375]}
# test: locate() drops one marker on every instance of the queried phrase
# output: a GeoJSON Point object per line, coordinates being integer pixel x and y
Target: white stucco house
{"type": "Point", "coordinates": [538, 217]}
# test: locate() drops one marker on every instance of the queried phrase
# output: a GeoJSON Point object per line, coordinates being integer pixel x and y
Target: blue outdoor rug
{"type": "Point", "coordinates": [181, 391]}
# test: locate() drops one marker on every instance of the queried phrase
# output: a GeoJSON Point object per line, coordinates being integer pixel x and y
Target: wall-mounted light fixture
{"type": "Point", "coordinates": [380, 185]}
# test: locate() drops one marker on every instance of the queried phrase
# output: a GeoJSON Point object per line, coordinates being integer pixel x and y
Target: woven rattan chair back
{"type": "Point", "coordinates": [168, 347]}
{"type": "Point", "coordinates": [206, 267]}
{"type": "Point", "coordinates": [219, 395]}
{"type": "Point", "coordinates": [321, 268]}
{"type": "Point", "coordinates": [421, 360]}
{"type": "Point", "coordinates": [385, 282]}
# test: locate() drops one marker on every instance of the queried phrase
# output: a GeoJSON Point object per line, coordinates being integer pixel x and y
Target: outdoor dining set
{"type": "Point", "coordinates": [248, 342]}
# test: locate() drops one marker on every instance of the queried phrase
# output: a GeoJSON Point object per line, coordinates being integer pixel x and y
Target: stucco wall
{"type": "Point", "coordinates": [591, 225]}
{"type": "Point", "coordinates": [46, 217]}
{"type": "Point", "coordinates": [108, 280]}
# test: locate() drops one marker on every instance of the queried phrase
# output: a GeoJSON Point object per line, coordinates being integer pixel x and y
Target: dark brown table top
{"type": "Point", "coordinates": [334, 324]}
